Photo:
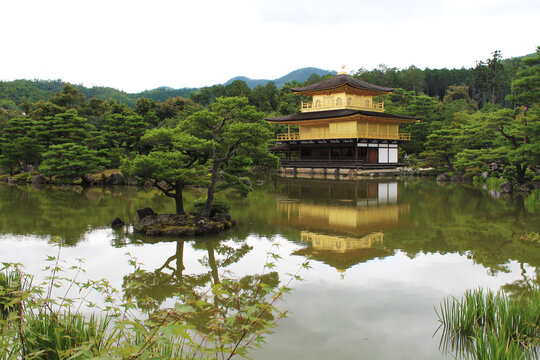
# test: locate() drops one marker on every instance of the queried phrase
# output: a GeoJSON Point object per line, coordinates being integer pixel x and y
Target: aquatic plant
{"type": "Point", "coordinates": [532, 202]}
{"type": "Point", "coordinates": [488, 325]}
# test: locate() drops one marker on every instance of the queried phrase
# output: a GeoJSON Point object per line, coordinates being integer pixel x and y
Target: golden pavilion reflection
{"type": "Point", "coordinates": [374, 208]}
{"type": "Point", "coordinates": [322, 242]}
{"type": "Point", "coordinates": [342, 227]}
{"type": "Point", "coordinates": [342, 252]}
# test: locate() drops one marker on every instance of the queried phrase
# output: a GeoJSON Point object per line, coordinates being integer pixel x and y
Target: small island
{"type": "Point", "coordinates": [180, 225]}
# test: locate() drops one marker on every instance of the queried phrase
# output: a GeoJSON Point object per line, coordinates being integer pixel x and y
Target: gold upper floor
{"type": "Point", "coordinates": [341, 100]}
{"type": "Point", "coordinates": [350, 128]}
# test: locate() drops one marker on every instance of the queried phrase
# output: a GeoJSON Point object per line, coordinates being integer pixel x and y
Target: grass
{"type": "Point", "coordinates": [488, 325]}
{"type": "Point", "coordinates": [10, 284]}
{"type": "Point", "coordinates": [492, 183]}
{"type": "Point", "coordinates": [73, 336]}
{"type": "Point", "coordinates": [532, 202]}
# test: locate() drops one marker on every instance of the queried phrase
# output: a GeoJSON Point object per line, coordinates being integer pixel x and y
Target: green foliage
{"type": "Point", "coordinates": [19, 146]}
{"type": "Point", "coordinates": [494, 183]}
{"type": "Point", "coordinates": [264, 98]}
{"type": "Point", "coordinates": [144, 106]}
{"type": "Point", "coordinates": [69, 161]}
{"type": "Point", "coordinates": [175, 159]}
{"type": "Point", "coordinates": [10, 285]}
{"type": "Point", "coordinates": [477, 161]}
{"type": "Point", "coordinates": [218, 206]}
{"type": "Point", "coordinates": [55, 335]}
{"type": "Point", "coordinates": [69, 98]}
{"type": "Point", "coordinates": [223, 319]}
{"type": "Point", "coordinates": [532, 202]}
{"type": "Point", "coordinates": [31, 91]}
{"type": "Point", "coordinates": [172, 107]}
{"type": "Point", "coordinates": [441, 149]}
{"type": "Point", "coordinates": [233, 128]}
{"type": "Point", "coordinates": [526, 88]}
{"type": "Point", "coordinates": [163, 93]}
{"type": "Point", "coordinates": [485, 325]}
{"type": "Point", "coordinates": [124, 131]}
{"type": "Point", "coordinates": [67, 127]}
{"type": "Point", "coordinates": [490, 80]}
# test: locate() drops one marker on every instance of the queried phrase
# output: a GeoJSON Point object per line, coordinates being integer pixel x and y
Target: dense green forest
{"type": "Point", "coordinates": [471, 118]}
{"type": "Point", "coordinates": [18, 92]}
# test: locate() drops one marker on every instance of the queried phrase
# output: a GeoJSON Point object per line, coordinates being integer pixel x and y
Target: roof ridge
{"type": "Point", "coordinates": [339, 81]}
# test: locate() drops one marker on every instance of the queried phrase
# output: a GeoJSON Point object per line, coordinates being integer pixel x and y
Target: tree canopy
{"type": "Point", "coordinates": [176, 159]}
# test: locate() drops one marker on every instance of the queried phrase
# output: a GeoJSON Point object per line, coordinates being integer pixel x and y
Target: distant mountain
{"type": "Point", "coordinates": [20, 91]}
{"type": "Point", "coordinates": [299, 75]}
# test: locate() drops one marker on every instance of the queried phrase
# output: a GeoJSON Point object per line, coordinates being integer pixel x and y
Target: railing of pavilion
{"type": "Point", "coordinates": [345, 135]}
{"type": "Point", "coordinates": [308, 106]}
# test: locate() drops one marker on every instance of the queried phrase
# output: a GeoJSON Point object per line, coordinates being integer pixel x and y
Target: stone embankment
{"type": "Point", "coordinates": [111, 178]}
{"type": "Point", "coordinates": [331, 173]}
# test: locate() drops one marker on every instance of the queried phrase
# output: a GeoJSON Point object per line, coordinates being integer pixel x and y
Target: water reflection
{"type": "Point", "coordinates": [342, 223]}
{"type": "Point", "coordinates": [351, 207]}
{"type": "Point", "coordinates": [171, 279]}
{"type": "Point", "coordinates": [429, 242]}
{"type": "Point", "coordinates": [69, 212]}
{"type": "Point", "coordinates": [342, 252]}
{"type": "Point", "coordinates": [224, 305]}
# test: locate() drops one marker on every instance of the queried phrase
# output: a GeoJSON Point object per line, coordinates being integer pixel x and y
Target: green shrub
{"type": "Point", "coordinates": [218, 206]}
{"type": "Point", "coordinates": [509, 173]}
{"type": "Point", "coordinates": [494, 183]}
{"type": "Point", "coordinates": [532, 202]}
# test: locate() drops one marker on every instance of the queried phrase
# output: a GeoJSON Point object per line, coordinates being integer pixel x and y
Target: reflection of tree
{"type": "Point", "coordinates": [231, 255]}
{"type": "Point", "coordinates": [225, 307]}
{"type": "Point", "coordinates": [458, 219]}
{"type": "Point", "coordinates": [523, 286]}
{"type": "Point", "coordinates": [69, 212]}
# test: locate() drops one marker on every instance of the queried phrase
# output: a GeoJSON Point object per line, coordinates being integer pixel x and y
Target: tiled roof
{"type": "Point", "coordinates": [315, 115]}
{"type": "Point", "coordinates": [341, 80]}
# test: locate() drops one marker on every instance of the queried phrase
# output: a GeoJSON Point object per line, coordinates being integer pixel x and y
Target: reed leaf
{"type": "Point", "coordinates": [487, 325]}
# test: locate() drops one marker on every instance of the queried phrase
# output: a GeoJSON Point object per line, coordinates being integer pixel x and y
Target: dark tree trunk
{"type": "Point", "coordinates": [211, 190]}
{"type": "Point", "coordinates": [212, 262]}
{"type": "Point", "coordinates": [178, 197]}
{"type": "Point", "coordinates": [449, 164]}
{"type": "Point", "coordinates": [85, 181]}
{"type": "Point", "coordinates": [520, 173]}
{"type": "Point", "coordinates": [179, 259]}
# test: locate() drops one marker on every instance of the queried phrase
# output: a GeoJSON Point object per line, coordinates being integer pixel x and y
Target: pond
{"type": "Point", "coordinates": [383, 254]}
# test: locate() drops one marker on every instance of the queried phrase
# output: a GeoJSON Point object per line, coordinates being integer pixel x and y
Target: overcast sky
{"type": "Point", "coordinates": [137, 45]}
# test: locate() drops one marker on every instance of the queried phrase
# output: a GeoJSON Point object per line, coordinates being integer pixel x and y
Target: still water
{"type": "Point", "coordinates": [384, 254]}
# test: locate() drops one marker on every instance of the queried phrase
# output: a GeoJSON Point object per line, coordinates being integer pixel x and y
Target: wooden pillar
{"type": "Point", "coordinates": [329, 152]}
{"type": "Point", "coordinates": [289, 131]}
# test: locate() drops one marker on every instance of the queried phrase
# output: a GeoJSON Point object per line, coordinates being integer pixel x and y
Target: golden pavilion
{"type": "Point", "coordinates": [342, 127]}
